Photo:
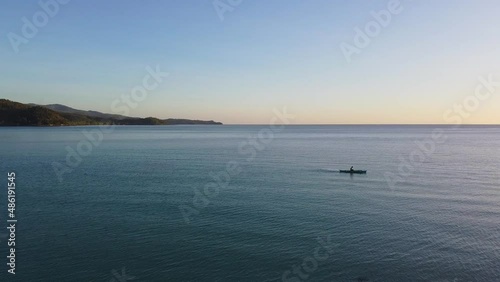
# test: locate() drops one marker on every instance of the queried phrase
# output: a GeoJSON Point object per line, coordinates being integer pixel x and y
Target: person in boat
{"type": "Point", "coordinates": [352, 169]}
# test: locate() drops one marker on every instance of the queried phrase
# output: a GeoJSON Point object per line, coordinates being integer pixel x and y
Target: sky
{"type": "Point", "coordinates": [237, 61]}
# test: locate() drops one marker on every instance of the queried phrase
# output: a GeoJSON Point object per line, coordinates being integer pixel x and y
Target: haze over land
{"type": "Point", "coordinates": [262, 55]}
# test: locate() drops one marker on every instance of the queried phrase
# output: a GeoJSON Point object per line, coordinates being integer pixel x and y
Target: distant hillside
{"type": "Point", "coordinates": [12, 113]}
{"type": "Point", "coordinates": [171, 121]}
{"type": "Point", "coordinates": [18, 114]}
{"type": "Point", "coordinates": [65, 109]}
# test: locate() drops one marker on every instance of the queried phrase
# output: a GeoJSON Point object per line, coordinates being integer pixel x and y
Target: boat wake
{"type": "Point", "coordinates": [328, 170]}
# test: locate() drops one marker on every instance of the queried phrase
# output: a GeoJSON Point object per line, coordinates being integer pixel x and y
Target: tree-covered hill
{"type": "Point", "coordinates": [18, 114]}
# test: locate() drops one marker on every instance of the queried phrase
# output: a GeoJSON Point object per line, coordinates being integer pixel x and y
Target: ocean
{"type": "Point", "coordinates": [252, 203]}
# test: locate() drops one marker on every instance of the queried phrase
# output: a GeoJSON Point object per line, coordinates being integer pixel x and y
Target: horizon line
{"type": "Point", "coordinates": [393, 124]}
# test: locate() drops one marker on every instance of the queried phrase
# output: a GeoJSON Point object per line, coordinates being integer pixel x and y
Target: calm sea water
{"type": "Point", "coordinates": [285, 215]}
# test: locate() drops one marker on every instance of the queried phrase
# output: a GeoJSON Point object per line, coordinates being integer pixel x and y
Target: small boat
{"type": "Point", "coordinates": [353, 171]}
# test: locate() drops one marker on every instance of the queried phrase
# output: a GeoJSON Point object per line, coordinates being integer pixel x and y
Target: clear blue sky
{"type": "Point", "coordinates": [264, 54]}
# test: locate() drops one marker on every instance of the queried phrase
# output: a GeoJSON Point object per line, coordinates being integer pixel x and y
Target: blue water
{"type": "Point", "coordinates": [285, 215]}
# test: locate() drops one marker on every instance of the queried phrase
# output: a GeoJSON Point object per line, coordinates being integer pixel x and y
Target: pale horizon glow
{"type": "Point", "coordinates": [263, 55]}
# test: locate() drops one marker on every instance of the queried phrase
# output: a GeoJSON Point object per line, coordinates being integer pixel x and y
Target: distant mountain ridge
{"type": "Point", "coordinates": [65, 109]}
{"type": "Point", "coordinates": [19, 114]}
